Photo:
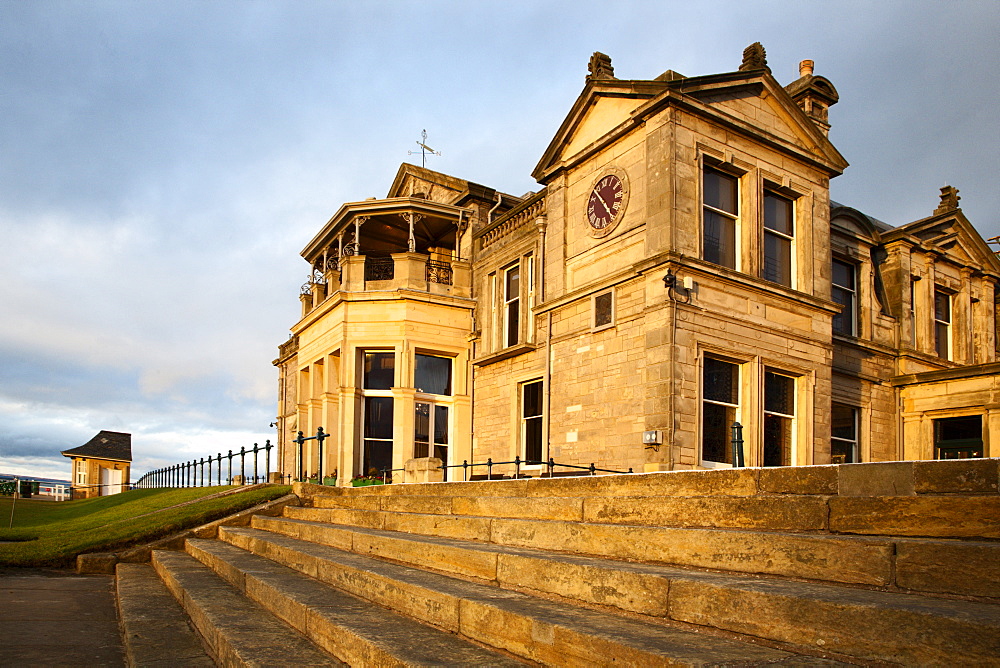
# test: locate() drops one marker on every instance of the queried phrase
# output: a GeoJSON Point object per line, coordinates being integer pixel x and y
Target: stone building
{"type": "Point", "coordinates": [681, 269]}
{"type": "Point", "coordinates": [101, 466]}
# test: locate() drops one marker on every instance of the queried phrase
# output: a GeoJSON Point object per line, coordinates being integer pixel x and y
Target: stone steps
{"type": "Point", "coordinates": [347, 627]}
{"type": "Point", "coordinates": [237, 631]}
{"type": "Point", "coordinates": [536, 629]}
{"type": "Point", "coordinates": [154, 626]}
{"type": "Point", "coordinates": [857, 622]}
{"type": "Point", "coordinates": [918, 564]}
{"type": "Point", "coordinates": [870, 563]}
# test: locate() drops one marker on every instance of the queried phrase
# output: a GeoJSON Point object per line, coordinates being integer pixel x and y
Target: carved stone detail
{"type": "Point", "coordinates": [754, 58]}
{"type": "Point", "coordinates": [949, 200]}
{"type": "Point", "coordinates": [600, 67]}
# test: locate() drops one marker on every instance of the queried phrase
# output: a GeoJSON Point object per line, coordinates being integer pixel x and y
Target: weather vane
{"type": "Point", "coordinates": [425, 150]}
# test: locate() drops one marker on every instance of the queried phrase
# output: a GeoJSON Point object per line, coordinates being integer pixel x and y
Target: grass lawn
{"type": "Point", "coordinates": [53, 533]}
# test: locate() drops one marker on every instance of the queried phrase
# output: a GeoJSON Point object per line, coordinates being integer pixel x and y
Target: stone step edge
{"type": "Point", "coordinates": [349, 637]}
{"type": "Point", "coordinates": [490, 562]}
{"type": "Point", "coordinates": [940, 516]}
{"type": "Point", "coordinates": [155, 628]}
{"type": "Point", "coordinates": [846, 613]}
{"type": "Point", "coordinates": [479, 611]}
{"type": "Point", "coordinates": [907, 563]}
{"type": "Point", "coordinates": [979, 476]}
{"type": "Point", "coordinates": [499, 564]}
{"type": "Point", "coordinates": [237, 631]}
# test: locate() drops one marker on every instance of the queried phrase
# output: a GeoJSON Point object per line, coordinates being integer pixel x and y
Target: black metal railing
{"type": "Point", "coordinates": [551, 465]}
{"type": "Point", "coordinates": [439, 272]}
{"type": "Point", "coordinates": [379, 268]}
{"type": "Point", "coordinates": [193, 473]}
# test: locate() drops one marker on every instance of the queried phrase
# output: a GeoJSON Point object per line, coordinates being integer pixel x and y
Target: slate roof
{"type": "Point", "coordinates": [880, 225]}
{"type": "Point", "coordinates": [106, 445]}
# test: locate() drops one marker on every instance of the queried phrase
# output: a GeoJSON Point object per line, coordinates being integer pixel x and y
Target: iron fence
{"type": "Point", "coordinates": [193, 473]}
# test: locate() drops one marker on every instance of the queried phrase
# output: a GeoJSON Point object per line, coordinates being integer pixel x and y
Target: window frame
{"type": "Point", "coordinates": [435, 401]}
{"type": "Point", "coordinates": [511, 303]}
{"type": "Point", "coordinates": [943, 326]}
{"type": "Point", "coordinates": [977, 445]}
{"type": "Point", "coordinates": [733, 216]}
{"type": "Point", "coordinates": [368, 393]}
{"type": "Point", "coordinates": [783, 236]}
{"type": "Point", "coordinates": [791, 417]}
{"type": "Point", "coordinates": [536, 419]}
{"type": "Point", "coordinates": [852, 312]}
{"type": "Point", "coordinates": [594, 325]}
{"type": "Point", "coordinates": [736, 407]}
{"type": "Point", "coordinates": [853, 443]}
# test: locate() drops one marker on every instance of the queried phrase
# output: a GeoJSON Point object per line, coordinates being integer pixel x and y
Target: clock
{"type": "Point", "coordinates": [607, 202]}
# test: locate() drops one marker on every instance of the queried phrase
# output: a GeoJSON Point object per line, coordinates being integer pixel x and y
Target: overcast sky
{"type": "Point", "coordinates": [163, 163]}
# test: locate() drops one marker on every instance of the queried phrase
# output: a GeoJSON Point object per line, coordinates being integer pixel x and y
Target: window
{"type": "Point", "coordinates": [430, 427]}
{"type": "Point", "coordinates": [380, 371]}
{"type": "Point", "coordinates": [958, 437]}
{"type": "Point", "coordinates": [81, 472]}
{"type": "Point", "coordinates": [532, 415]}
{"type": "Point", "coordinates": [511, 305]}
{"type": "Point", "coordinates": [779, 418]}
{"type": "Point", "coordinates": [378, 378]}
{"type": "Point", "coordinates": [942, 324]}
{"type": "Point", "coordinates": [603, 306]}
{"type": "Point", "coordinates": [720, 213]}
{"type": "Point", "coordinates": [913, 311]}
{"type": "Point", "coordinates": [844, 292]}
{"type": "Point", "coordinates": [432, 375]}
{"type": "Point", "coordinates": [844, 435]}
{"type": "Point", "coordinates": [779, 231]}
{"type": "Point", "coordinates": [719, 409]}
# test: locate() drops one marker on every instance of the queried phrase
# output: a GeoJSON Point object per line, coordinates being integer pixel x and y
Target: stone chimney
{"type": "Point", "coordinates": [814, 95]}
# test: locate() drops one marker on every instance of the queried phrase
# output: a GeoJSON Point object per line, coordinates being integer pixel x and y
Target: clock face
{"type": "Point", "coordinates": [606, 204]}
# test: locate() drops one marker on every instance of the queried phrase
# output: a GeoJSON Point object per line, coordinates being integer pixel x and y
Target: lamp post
{"type": "Point", "coordinates": [737, 443]}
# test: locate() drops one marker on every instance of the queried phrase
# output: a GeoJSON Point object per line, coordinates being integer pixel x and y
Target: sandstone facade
{"type": "Point", "coordinates": [681, 269]}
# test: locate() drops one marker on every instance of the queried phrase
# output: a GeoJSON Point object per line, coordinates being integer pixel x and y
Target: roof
{"type": "Point", "coordinates": [106, 445]}
{"type": "Point", "coordinates": [880, 225]}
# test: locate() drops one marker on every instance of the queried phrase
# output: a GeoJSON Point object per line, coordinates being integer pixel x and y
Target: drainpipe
{"type": "Point", "coordinates": [548, 389]}
{"type": "Point", "coordinates": [489, 216]}
{"type": "Point", "coordinates": [541, 223]}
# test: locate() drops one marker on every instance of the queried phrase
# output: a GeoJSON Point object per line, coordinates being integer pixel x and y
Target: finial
{"type": "Point", "coordinates": [600, 67]}
{"type": "Point", "coordinates": [949, 200]}
{"type": "Point", "coordinates": [754, 58]}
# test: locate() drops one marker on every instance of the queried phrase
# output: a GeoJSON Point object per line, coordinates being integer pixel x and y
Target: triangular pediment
{"type": "Point", "coordinates": [602, 116]}
{"type": "Point", "coordinates": [414, 181]}
{"type": "Point", "coordinates": [952, 235]}
{"type": "Point", "coordinates": [751, 102]}
{"type": "Point", "coordinates": [603, 106]}
{"type": "Point", "coordinates": [762, 106]}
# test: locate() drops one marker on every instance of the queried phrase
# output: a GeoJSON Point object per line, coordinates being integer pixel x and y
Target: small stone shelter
{"type": "Point", "coordinates": [102, 465]}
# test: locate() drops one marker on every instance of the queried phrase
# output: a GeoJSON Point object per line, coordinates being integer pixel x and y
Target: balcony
{"type": "Point", "coordinates": [397, 271]}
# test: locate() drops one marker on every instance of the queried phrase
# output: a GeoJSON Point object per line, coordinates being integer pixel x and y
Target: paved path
{"type": "Point", "coordinates": [51, 617]}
